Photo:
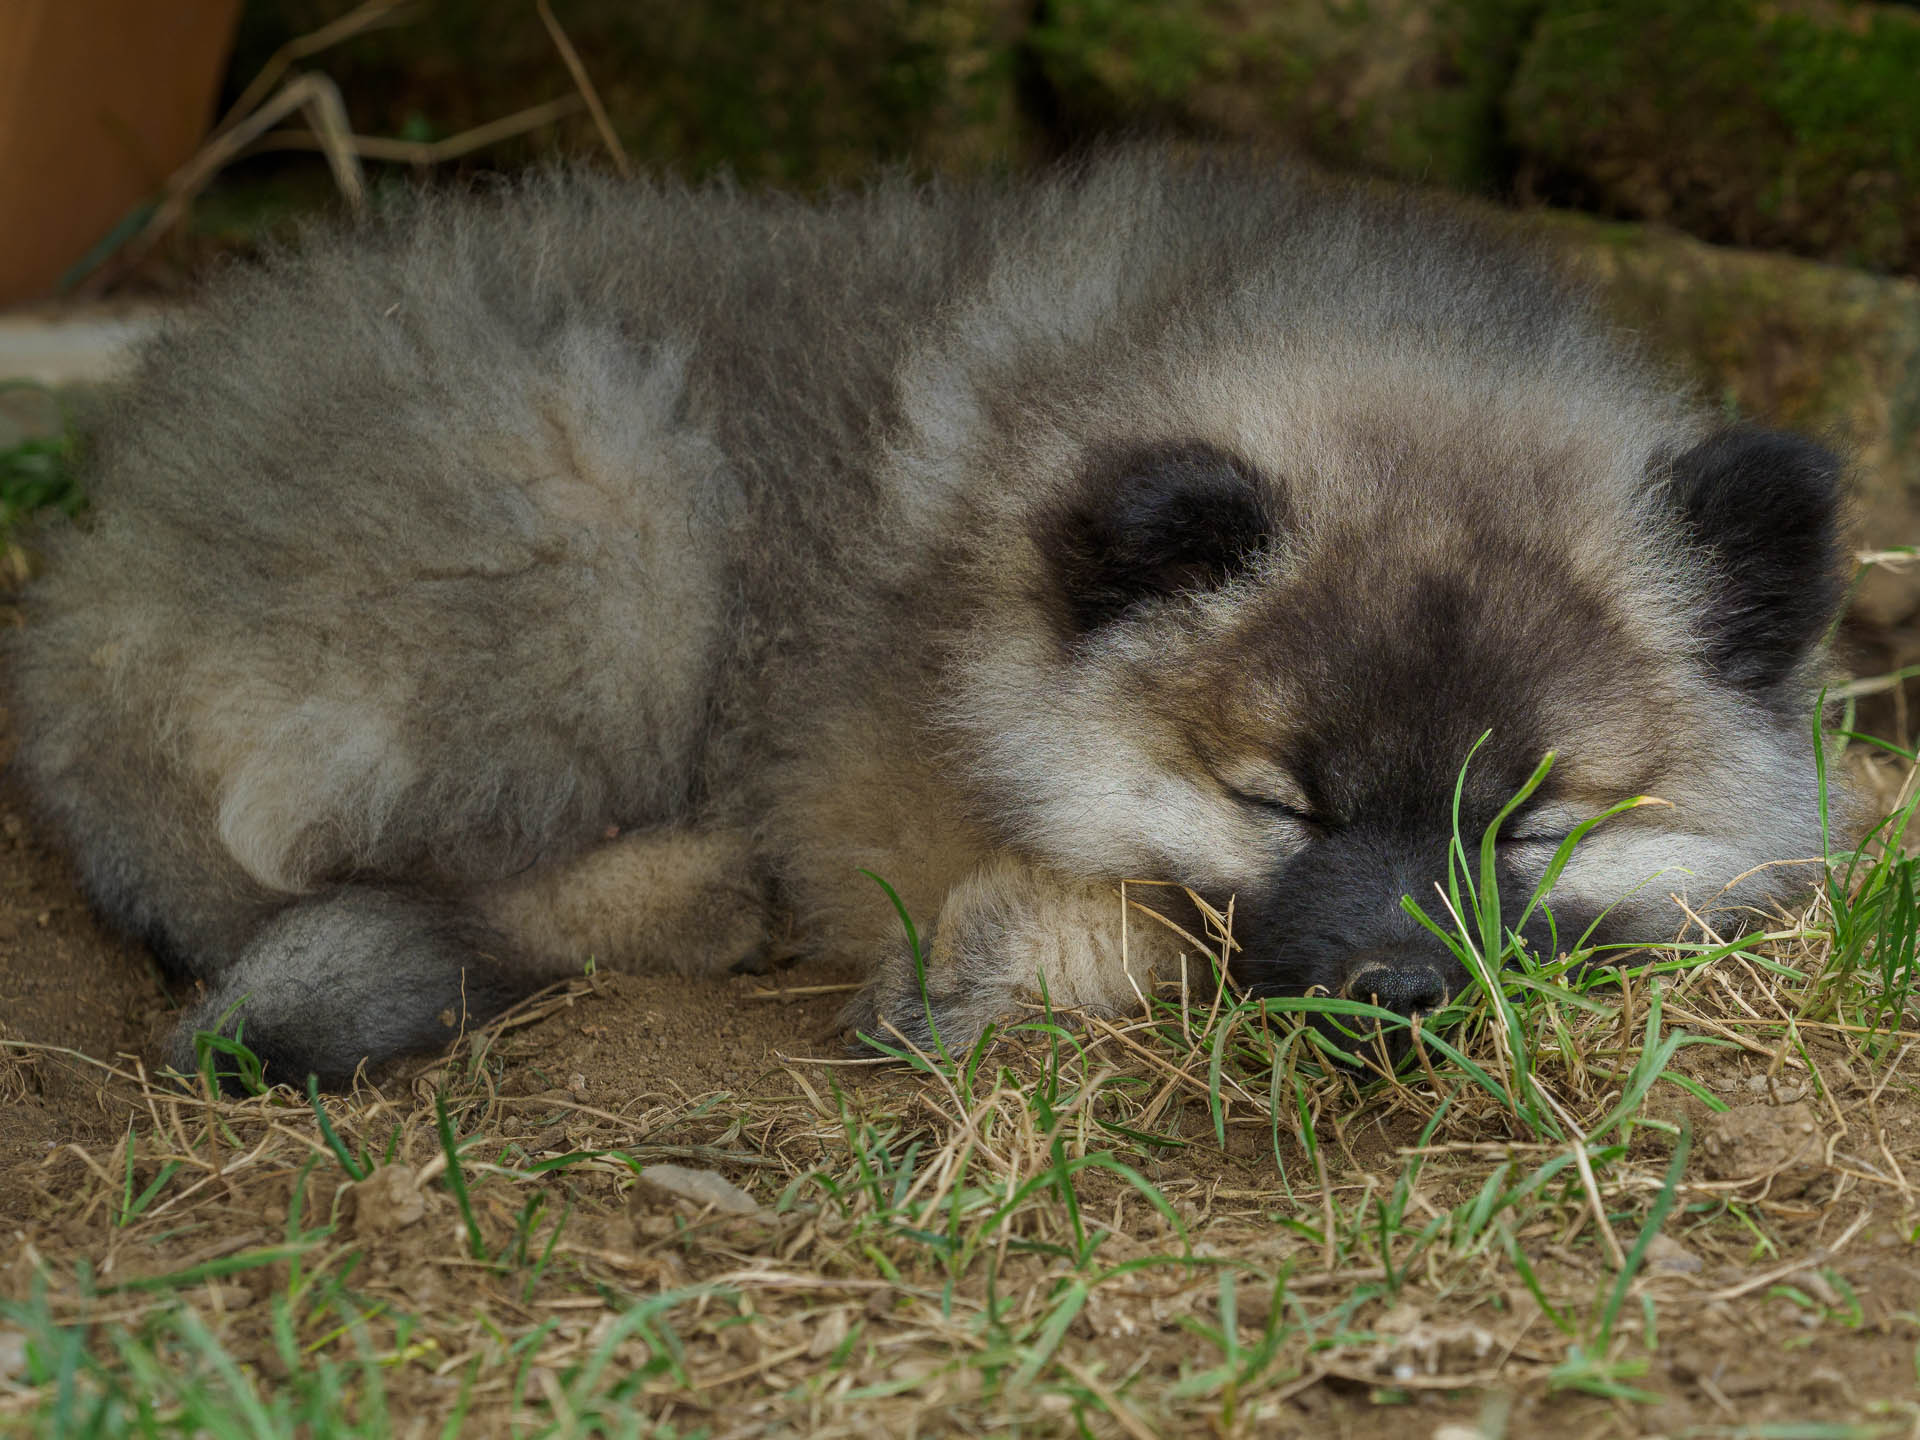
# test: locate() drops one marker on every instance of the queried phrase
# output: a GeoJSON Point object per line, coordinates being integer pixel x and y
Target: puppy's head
{"type": "Point", "coordinates": [1234, 670]}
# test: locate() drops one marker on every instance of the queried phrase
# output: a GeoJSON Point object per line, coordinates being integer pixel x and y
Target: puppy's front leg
{"type": "Point", "coordinates": [1003, 933]}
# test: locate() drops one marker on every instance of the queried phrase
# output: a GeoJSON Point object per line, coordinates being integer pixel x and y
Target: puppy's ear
{"type": "Point", "coordinates": [1151, 522]}
{"type": "Point", "coordinates": [1766, 507]}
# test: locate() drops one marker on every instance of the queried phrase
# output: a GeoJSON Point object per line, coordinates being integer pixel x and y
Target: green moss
{"type": "Point", "coordinates": [1111, 59]}
{"type": "Point", "coordinates": [39, 459]}
{"type": "Point", "coordinates": [1401, 87]}
{"type": "Point", "coordinates": [1448, 125]}
{"type": "Point", "coordinates": [1793, 125]}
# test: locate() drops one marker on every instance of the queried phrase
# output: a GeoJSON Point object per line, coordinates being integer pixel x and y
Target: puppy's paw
{"type": "Point", "coordinates": [1007, 935]}
{"type": "Point", "coordinates": [923, 1005]}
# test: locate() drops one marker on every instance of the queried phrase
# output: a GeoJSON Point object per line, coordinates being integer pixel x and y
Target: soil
{"type": "Point", "coordinates": [63, 982]}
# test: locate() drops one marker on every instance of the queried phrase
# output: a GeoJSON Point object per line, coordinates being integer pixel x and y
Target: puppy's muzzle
{"type": "Point", "coordinates": [1408, 982]}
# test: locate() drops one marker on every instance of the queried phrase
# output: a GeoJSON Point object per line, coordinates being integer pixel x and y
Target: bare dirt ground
{"type": "Point", "coordinates": [1781, 1291]}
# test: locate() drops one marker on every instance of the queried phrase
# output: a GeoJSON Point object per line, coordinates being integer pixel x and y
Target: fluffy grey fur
{"type": "Point", "coordinates": [584, 568]}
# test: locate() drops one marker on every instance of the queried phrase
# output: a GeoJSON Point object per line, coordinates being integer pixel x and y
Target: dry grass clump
{"type": "Point", "coordinates": [17, 1066]}
{"type": "Point", "coordinates": [1597, 1189]}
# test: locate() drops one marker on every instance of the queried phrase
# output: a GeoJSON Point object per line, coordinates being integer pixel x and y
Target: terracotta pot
{"type": "Point", "coordinates": [100, 100]}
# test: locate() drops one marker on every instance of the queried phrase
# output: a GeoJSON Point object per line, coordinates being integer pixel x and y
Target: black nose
{"type": "Point", "coordinates": [1405, 985]}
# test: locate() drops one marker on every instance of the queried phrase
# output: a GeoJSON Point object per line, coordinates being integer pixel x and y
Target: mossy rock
{"type": "Point", "coordinates": [1784, 341]}
{"type": "Point", "coordinates": [785, 91]}
{"type": "Point", "coordinates": [1409, 88]}
{"type": "Point", "coordinates": [1790, 124]}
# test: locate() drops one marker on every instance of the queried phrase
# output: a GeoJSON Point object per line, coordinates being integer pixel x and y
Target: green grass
{"type": "Point", "coordinates": [37, 472]}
